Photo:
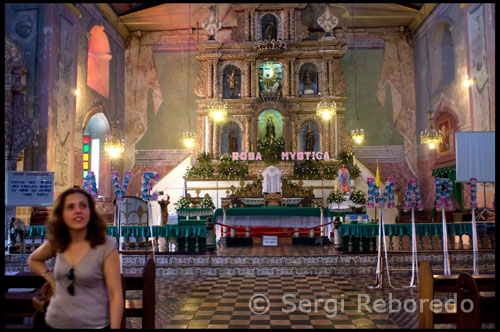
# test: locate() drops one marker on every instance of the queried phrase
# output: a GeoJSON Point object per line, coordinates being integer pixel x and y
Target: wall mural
{"type": "Point", "coordinates": [479, 70]}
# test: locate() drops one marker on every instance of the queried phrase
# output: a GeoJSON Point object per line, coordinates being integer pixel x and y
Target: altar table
{"type": "Point", "coordinates": [274, 216]}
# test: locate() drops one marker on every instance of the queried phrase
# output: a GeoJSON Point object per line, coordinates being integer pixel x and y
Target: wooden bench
{"type": "Point", "coordinates": [431, 284]}
{"type": "Point", "coordinates": [482, 303]}
{"type": "Point", "coordinates": [144, 307]}
{"type": "Point", "coordinates": [18, 301]}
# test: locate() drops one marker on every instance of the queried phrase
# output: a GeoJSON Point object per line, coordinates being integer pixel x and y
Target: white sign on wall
{"type": "Point", "coordinates": [29, 188]}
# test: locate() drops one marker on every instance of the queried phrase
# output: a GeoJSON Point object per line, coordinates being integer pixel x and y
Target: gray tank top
{"type": "Point", "coordinates": [89, 307]}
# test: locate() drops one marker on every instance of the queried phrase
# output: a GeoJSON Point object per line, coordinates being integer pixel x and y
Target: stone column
{"type": "Point", "coordinates": [294, 136]}
{"type": "Point", "coordinates": [247, 133]}
{"type": "Point", "coordinates": [286, 24]}
{"type": "Point", "coordinates": [323, 88]}
{"type": "Point", "coordinates": [215, 82]}
{"type": "Point", "coordinates": [210, 91]}
{"type": "Point", "coordinates": [254, 82]}
{"type": "Point", "coordinates": [246, 27]}
{"type": "Point", "coordinates": [216, 140]}
{"type": "Point", "coordinates": [286, 71]}
{"type": "Point", "coordinates": [294, 79]}
{"type": "Point", "coordinates": [210, 135]}
{"type": "Point", "coordinates": [252, 24]}
{"type": "Point", "coordinates": [292, 23]}
{"type": "Point", "coordinates": [330, 77]}
{"type": "Point", "coordinates": [248, 81]}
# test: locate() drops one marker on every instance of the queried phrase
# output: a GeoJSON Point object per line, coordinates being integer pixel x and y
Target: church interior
{"type": "Point", "coordinates": [318, 151]}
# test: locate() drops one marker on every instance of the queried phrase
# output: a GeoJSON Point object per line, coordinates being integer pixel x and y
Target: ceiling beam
{"type": "Point", "coordinates": [109, 13]}
{"type": "Point", "coordinates": [425, 11]}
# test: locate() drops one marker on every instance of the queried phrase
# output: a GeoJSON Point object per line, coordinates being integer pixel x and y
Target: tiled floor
{"type": "Point", "coordinates": [279, 302]}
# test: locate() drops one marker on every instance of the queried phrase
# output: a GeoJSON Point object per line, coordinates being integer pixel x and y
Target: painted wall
{"type": "Point", "coordinates": [373, 118]}
{"type": "Point", "coordinates": [177, 72]}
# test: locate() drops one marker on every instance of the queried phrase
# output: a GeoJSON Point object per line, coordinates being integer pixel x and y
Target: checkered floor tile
{"type": "Point", "coordinates": [276, 302]}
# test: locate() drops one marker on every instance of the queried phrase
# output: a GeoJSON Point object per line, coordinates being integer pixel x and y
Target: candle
{"type": "Point", "coordinates": [353, 160]}
{"type": "Point", "coordinates": [337, 184]}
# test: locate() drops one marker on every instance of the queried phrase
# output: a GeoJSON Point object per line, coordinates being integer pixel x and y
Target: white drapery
{"type": "Point", "coordinates": [272, 180]}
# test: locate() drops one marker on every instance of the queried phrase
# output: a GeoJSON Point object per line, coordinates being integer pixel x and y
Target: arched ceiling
{"type": "Point", "coordinates": [175, 16]}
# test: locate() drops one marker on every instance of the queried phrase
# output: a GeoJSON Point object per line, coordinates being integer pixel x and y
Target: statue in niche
{"type": "Point", "coordinates": [270, 132]}
{"type": "Point", "coordinates": [310, 140]}
{"type": "Point", "coordinates": [233, 142]}
{"type": "Point", "coordinates": [270, 35]}
{"type": "Point", "coordinates": [308, 84]}
{"type": "Point", "coordinates": [233, 84]}
{"type": "Point", "coordinates": [277, 86]}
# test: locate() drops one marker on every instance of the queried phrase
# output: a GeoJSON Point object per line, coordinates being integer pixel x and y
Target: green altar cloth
{"type": "Point", "coordinates": [142, 231]}
{"type": "Point", "coordinates": [371, 230]}
{"type": "Point", "coordinates": [160, 231]}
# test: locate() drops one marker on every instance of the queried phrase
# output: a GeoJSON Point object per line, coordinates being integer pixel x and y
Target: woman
{"type": "Point", "coordinates": [86, 279]}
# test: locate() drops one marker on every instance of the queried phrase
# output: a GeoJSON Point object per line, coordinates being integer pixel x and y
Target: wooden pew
{"type": "Point", "coordinates": [482, 309]}
{"type": "Point", "coordinates": [18, 304]}
{"type": "Point", "coordinates": [430, 284]}
{"type": "Point", "coordinates": [144, 308]}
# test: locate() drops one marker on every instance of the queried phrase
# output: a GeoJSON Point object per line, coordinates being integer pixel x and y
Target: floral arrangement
{"type": "Point", "coordinates": [413, 199]}
{"type": "Point", "coordinates": [270, 148]}
{"type": "Point", "coordinates": [354, 172]}
{"type": "Point", "coordinates": [473, 193]}
{"type": "Point", "coordinates": [389, 196]}
{"type": "Point", "coordinates": [120, 192]}
{"type": "Point", "coordinates": [89, 184]}
{"type": "Point", "coordinates": [335, 197]}
{"type": "Point", "coordinates": [373, 194]}
{"type": "Point", "coordinates": [307, 170]}
{"type": "Point", "coordinates": [443, 193]}
{"type": "Point", "coordinates": [207, 203]}
{"type": "Point", "coordinates": [200, 172]}
{"type": "Point", "coordinates": [330, 172]}
{"type": "Point", "coordinates": [358, 197]}
{"type": "Point", "coordinates": [147, 186]}
{"type": "Point", "coordinates": [182, 203]}
{"type": "Point", "coordinates": [231, 169]}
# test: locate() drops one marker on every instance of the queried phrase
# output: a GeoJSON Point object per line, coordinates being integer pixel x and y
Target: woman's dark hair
{"type": "Point", "coordinates": [57, 231]}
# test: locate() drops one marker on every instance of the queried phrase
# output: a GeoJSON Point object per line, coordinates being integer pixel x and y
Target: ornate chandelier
{"type": "Point", "coordinates": [189, 139]}
{"type": "Point", "coordinates": [358, 135]}
{"type": "Point", "coordinates": [114, 146]}
{"type": "Point", "coordinates": [217, 110]}
{"type": "Point", "coordinates": [326, 110]}
{"type": "Point", "coordinates": [431, 138]}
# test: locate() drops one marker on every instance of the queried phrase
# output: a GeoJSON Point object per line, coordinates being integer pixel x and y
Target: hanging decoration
{"type": "Point", "coordinates": [147, 186]}
{"type": "Point", "coordinates": [90, 185]}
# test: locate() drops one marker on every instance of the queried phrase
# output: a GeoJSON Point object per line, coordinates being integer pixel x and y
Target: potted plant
{"type": "Point", "coordinates": [358, 197]}
{"type": "Point", "coordinates": [337, 198]}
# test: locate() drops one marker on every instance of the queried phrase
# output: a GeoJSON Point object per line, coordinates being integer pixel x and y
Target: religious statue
{"type": "Point", "coordinates": [277, 86]}
{"type": "Point", "coordinates": [310, 140]}
{"type": "Point", "coordinates": [270, 128]}
{"type": "Point", "coordinates": [233, 84]}
{"type": "Point", "coordinates": [164, 210]}
{"type": "Point", "coordinates": [233, 142]}
{"type": "Point", "coordinates": [308, 80]}
{"type": "Point", "coordinates": [270, 30]}
{"type": "Point", "coordinates": [344, 180]}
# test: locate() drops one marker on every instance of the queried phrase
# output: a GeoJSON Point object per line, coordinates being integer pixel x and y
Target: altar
{"type": "Point", "coordinates": [276, 217]}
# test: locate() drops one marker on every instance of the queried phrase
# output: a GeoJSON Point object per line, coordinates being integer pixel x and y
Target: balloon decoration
{"type": "Point", "coordinates": [120, 192]}
{"type": "Point", "coordinates": [413, 199]}
{"type": "Point", "coordinates": [90, 185]}
{"type": "Point", "coordinates": [147, 186]}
